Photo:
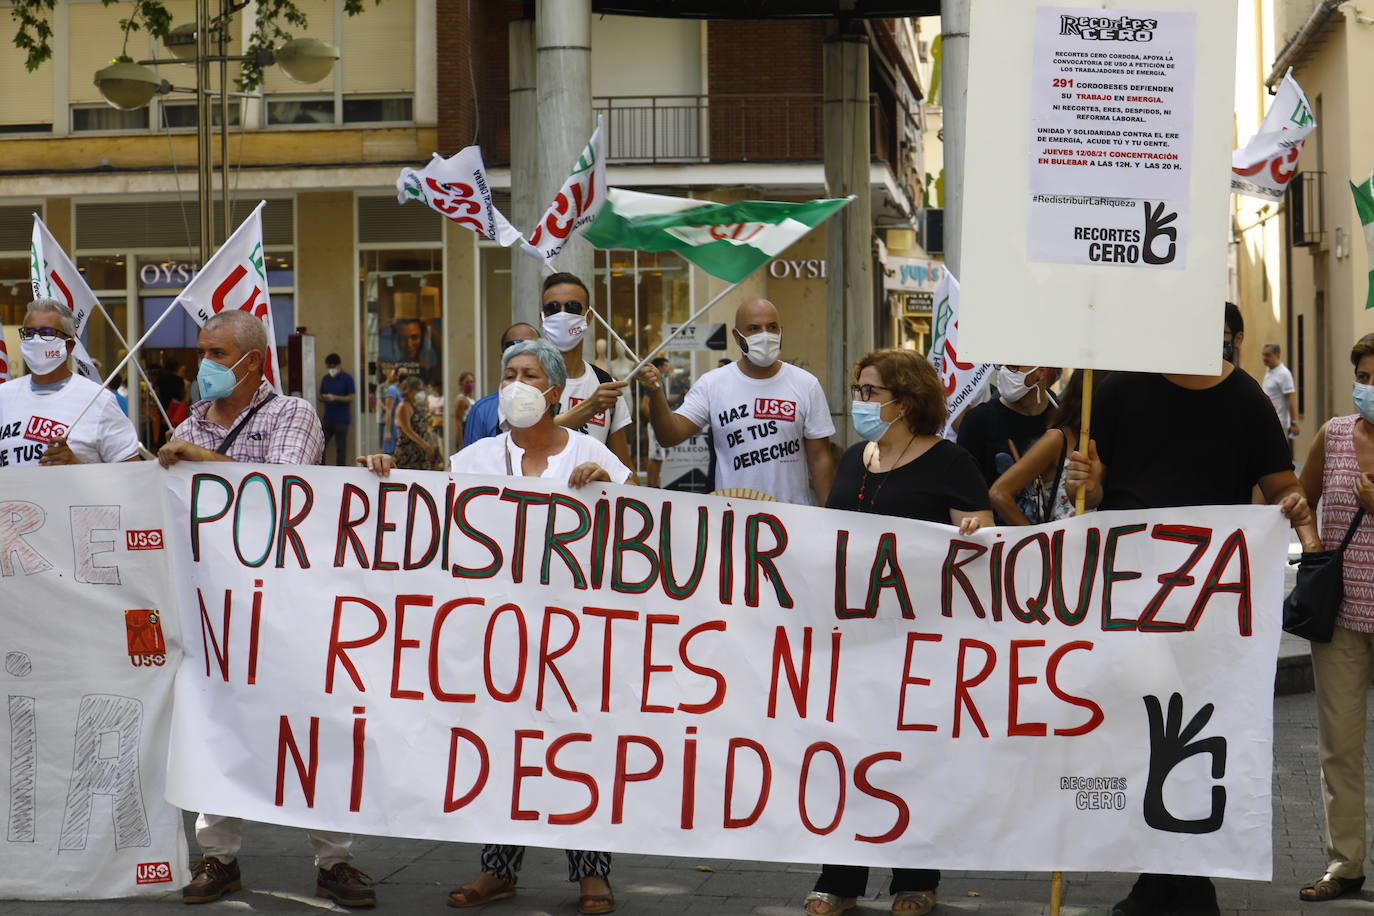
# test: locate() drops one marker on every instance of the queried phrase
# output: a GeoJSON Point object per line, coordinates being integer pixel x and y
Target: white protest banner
{"type": "Point", "coordinates": [458, 188]}
{"type": "Point", "coordinates": [574, 206]}
{"type": "Point", "coordinates": [236, 278]}
{"type": "Point", "coordinates": [89, 658]}
{"type": "Point", "coordinates": [1094, 230]}
{"type": "Point", "coordinates": [1265, 165]}
{"type": "Point", "coordinates": [53, 276]}
{"type": "Point", "coordinates": [963, 382]}
{"type": "Point", "coordinates": [505, 660]}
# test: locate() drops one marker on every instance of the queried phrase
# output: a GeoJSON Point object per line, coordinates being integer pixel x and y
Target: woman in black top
{"type": "Point", "coordinates": [904, 468]}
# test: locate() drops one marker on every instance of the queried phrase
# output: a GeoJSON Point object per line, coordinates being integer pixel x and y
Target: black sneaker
{"type": "Point", "coordinates": [345, 885]}
{"type": "Point", "coordinates": [211, 879]}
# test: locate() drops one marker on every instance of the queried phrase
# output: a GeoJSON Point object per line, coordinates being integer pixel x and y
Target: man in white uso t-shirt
{"type": "Point", "coordinates": [37, 410]}
{"type": "Point", "coordinates": [769, 420]}
{"type": "Point", "coordinates": [593, 401]}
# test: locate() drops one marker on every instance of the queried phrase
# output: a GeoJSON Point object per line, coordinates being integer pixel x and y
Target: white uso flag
{"type": "Point", "coordinates": [963, 382]}
{"type": "Point", "coordinates": [236, 278]}
{"type": "Point", "coordinates": [1269, 161]}
{"type": "Point", "coordinates": [574, 206]}
{"type": "Point", "coordinates": [458, 188]}
{"type": "Point", "coordinates": [54, 276]}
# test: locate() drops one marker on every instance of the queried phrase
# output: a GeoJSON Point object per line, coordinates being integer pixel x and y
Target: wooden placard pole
{"type": "Point", "coordinates": [1080, 506]}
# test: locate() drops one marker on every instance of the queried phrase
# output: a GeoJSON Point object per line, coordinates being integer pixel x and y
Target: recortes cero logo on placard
{"type": "Point", "coordinates": [143, 632]}
{"type": "Point", "coordinates": [774, 409]}
{"type": "Point", "coordinates": [143, 539]}
{"type": "Point", "coordinates": [41, 429]}
{"type": "Point", "coordinates": [153, 873]}
{"type": "Point", "coordinates": [1105, 28]}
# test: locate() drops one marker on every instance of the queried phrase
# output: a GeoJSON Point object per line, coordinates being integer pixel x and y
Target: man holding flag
{"type": "Point", "coordinates": [38, 411]}
{"type": "Point", "coordinates": [769, 421]}
{"type": "Point", "coordinates": [240, 417]}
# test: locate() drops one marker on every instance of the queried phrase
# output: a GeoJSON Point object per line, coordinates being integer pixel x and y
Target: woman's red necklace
{"type": "Point", "coordinates": [863, 482]}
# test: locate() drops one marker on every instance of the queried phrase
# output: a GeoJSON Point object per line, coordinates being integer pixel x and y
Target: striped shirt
{"type": "Point", "coordinates": [286, 431]}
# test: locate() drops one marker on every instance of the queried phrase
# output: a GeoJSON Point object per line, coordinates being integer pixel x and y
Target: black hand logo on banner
{"type": "Point", "coordinates": [1169, 746]}
{"type": "Point", "coordinates": [1157, 225]}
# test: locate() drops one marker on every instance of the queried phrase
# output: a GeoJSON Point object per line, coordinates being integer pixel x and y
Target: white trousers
{"type": "Point", "coordinates": [221, 837]}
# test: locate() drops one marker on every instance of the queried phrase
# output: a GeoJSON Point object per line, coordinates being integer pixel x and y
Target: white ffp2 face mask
{"type": "Point", "coordinates": [521, 405]}
{"type": "Point", "coordinates": [762, 348]}
{"type": "Point", "coordinates": [43, 356]}
{"type": "Point", "coordinates": [564, 330]}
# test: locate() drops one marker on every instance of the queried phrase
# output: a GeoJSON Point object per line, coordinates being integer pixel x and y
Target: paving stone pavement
{"type": "Point", "coordinates": [414, 876]}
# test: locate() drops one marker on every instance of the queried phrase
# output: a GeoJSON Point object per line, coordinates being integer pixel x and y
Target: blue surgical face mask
{"type": "Point", "coordinates": [1364, 401]}
{"type": "Point", "coordinates": [215, 380]}
{"type": "Point", "coordinates": [868, 419]}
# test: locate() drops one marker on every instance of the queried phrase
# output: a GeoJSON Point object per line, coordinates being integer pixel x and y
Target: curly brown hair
{"type": "Point", "coordinates": [914, 386]}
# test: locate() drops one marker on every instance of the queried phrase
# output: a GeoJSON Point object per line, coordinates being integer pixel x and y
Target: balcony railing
{"type": "Point", "coordinates": [1306, 219]}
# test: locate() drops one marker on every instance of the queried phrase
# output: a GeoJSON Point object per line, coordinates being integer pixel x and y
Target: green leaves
{"type": "Point", "coordinates": [276, 20]}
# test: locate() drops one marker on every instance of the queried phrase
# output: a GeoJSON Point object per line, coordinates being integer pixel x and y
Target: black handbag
{"type": "Point", "coordinates": [1311, 607]}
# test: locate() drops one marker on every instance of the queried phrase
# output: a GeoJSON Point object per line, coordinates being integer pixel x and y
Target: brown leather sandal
{"type": "Point", "coordinates": [596, 904]}
{"type": "Point", "coordinates": [467, 895]}
{"type": "Point", "coordinates": [1329, 887]}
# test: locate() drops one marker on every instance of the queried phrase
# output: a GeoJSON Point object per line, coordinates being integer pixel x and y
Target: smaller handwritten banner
{"type": "Point", "coordinates": [89, 656]}
{"type": "Point", "coordinates": [487, 659]}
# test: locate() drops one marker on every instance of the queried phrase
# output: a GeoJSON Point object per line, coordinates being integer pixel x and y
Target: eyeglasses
{"type": "Point", "coordinates": [865, 392]}
{"type": "Point", "coordinates": [507, 344]}
{"type": "Point", "coordinates": [572, 306]}
{"type": "Point", "coordinates": [44, 334]}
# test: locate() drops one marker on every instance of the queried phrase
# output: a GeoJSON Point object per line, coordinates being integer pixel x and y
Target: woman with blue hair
{"type": "Point", "coordinates": [532, 382]}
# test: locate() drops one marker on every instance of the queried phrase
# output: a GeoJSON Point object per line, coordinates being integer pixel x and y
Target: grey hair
{"type": "Point", "coordinates": [410, 383]}
{"type": "Point", "coordinates": [548, 357]}
{"type": "Point", "coordinates": [64, 314]}
{"type": "Point", "coordinates": [1275, 348]}
{"type": "Point", "coordinates": [248, 333]}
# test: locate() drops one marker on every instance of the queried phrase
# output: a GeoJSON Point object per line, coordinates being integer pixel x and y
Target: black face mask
{"type": "Point", "coordinates": [1228, 351]}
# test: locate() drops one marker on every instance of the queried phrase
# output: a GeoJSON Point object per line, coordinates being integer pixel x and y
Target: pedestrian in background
{"type": "Point", "coordinates": [416, 449]}
{"type": "Point", "coordinates": [1278, 385]}
{"type": "Point", "coordinates": [337, 393]}
{"type": "Point", "coordinates": [1336, 480]}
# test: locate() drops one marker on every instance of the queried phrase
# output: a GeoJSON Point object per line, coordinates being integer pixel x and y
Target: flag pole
{"type": "Point", "coordinates": [611, 331]}
{"type": "Point", "coordinates": [137, 367]}
{"type": "Point", "coordinates": [682, 327]}
{"type": "Point", "coordinates": [128, 356]}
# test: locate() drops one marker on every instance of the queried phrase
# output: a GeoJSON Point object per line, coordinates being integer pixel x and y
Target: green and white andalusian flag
{"type": "Point", "coordinates": [1364, 204]}
{"type": "Point", "coordinates": [729, 241]}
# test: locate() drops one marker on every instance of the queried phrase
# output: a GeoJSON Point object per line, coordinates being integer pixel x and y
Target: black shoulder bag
{"type": "Point", "coordinates": [233, 436]}
{"type": "Point", "coordinates": [1310, 609]}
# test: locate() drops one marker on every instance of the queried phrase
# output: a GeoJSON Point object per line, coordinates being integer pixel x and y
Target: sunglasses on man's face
{"type": "Point", "coordinates": [572, 306]}
{"type": "Point", "coordinates": [43, 334]}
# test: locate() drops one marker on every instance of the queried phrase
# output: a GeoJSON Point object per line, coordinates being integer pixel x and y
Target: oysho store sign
{"type": "Point", "coordinates": [803, 269]}
{"type": "Point", "coordinates": [159, 274]}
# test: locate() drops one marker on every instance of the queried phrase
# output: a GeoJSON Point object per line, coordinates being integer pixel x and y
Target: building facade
{"type": "Point", "coordinates": [719, 110]}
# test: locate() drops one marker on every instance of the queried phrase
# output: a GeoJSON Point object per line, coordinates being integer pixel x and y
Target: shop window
{"type": "Point", "coordinates": [402, 301]}
{"type": "Point", "coordinates": [305, 110]}
{"type": "Point", "coordinates": [15, 291]}
{"type": "Point", "coordinates": [377, 109]}
{"type": "Point", "coordinates": [103, 117]}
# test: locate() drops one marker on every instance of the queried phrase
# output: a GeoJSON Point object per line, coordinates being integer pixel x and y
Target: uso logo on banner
{"type": "Point", "coordinates": [143, 632]}
{"type": "Point", "coordinates": [774, 409]}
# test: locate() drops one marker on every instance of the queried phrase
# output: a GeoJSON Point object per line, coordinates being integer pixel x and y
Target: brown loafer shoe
{"type": "Point", "coordinates": [211, 879]}
{"type": "Point", "coordinates": [345, 885]}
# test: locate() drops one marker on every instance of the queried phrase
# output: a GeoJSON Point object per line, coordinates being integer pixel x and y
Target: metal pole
{"type": "Point", "coordinates": [954, 29]}
{"type": "Point", "coordinates": [222, 42]}
{"type": "Point", "coordinates": [204, 177]}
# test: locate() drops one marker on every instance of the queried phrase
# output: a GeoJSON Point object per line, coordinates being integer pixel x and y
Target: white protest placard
{"type": "Point", "coordinates": [504, 660]}
{"type": "Point", "coordinates": [89, 657]}
{"type": "Point", "coordinates": [699, 336]}
{"type": "Point", "coordinates": [1094, 229]}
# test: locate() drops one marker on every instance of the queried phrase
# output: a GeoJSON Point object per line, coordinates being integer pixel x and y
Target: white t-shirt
{"type": "Point", "coordinates": [584, 386]}
{"type": "Point", "coordinates": [492, 454]}
{"type": "Point", "coordinates": [1278, 384]}
{"type": "Point", "coordinates": [29, 419]}
{"type": "Point", "coordinates": [757, 428]}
